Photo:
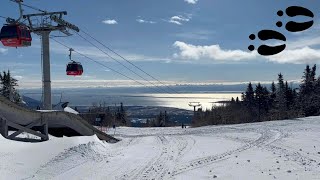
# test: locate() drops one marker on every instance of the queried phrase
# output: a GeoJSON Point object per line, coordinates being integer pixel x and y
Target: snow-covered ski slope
{"type": "Point", "coordinates": [55, 119]}
{"type": "Point", "coordinates": [269, 150]}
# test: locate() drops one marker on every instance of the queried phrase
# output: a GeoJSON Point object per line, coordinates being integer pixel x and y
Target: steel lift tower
{"type": "Point", "coordinates": [194, 105]}
{"type": "Point", "coordinates": [43, 24]}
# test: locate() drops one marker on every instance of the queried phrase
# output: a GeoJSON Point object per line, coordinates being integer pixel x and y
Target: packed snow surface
{"type": "Point", "coordinates": [66, 109]}
{"type": "Point", "coordinates": [269, 150]}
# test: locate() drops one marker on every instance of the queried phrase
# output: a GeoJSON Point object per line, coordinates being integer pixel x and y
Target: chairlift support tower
{"type": "Point", "coordinates": [49, 21]}
{"type": "Point", "coordinates": [194, 105]}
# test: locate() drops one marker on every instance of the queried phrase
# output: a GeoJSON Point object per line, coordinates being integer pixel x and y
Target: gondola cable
{"type": "Point", "coordinates": [160, 87]}
{"type": "Point", "coordinates": [128, 61]}
{"type": "Point", "coordinates": [81, 54]}
{"type": "Point", "coordinates": [31, 7]}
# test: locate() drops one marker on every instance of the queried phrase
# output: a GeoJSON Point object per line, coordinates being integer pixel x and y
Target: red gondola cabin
{"type": "Point", "coordinates": [15, 36]}
{"type": "Point", "coordinates": [74, 69]}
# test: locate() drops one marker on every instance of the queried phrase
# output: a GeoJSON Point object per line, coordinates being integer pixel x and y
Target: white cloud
{"type": "Point", "coordinates": [197, 35]}
{"type": "Point", "coordinates": [175, 22]}
{"type": "Point", "coordinates": [16, 65]}
{"type": "Point", "coordinates": [84, 82]}
{"type": "Point", "coordinates": [297, 56]}
{"type": "Point", "coordinates": [145, 21]}
{"type": "Point", "coordinates": [110, 21]}
{"type": "Point", "coordinates": [299, 51]}
{"type": "Point", "coordinates": [3, 51]}
{"type": "Point", "coordinates": [18, 77]}
{"type": "Point", "coordinates": [191, 1]}
{"type": "Point", "coordinates": [179, 19]}
{"type": "Point", "coordinates": [304, 42]}
{"type": "Point", "coordinates": [212, 52]}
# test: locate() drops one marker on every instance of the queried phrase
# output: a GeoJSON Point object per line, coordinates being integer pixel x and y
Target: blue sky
{"type": "Point", "coordinates": [177, 41]}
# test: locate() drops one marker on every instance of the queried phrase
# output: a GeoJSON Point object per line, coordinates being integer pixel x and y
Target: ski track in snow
{"type": "Point", "coordinates": [265, 139]}
{"type": "Point", "coordinates": [78, 155]}
{"type": "Point", "coordinates": [165, 165]}
{"type": "Point", "coordinates": [172, 152]}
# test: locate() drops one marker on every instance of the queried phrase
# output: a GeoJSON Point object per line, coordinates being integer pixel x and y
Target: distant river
{"type": "Point", "coordinates": [182, 100]}
{"type": "Point", "coordinates": [144, 99]}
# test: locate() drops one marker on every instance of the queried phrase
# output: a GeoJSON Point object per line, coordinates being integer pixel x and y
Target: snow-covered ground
{"type": "Point", "coordinates": [269, 150]}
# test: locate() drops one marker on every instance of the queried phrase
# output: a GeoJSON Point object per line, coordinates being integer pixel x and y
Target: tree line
{"type": "Point", "coordinates": [117, 116]}
{"type": "Point", "coordinates": [161, 120]}
{"type": "Point", "coordinates": [260, 103]}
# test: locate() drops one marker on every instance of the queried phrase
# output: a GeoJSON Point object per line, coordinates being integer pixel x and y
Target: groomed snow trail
{"type": "Point", "coordinates": [269, 150]}
{"type": "Point", "coordinates": [170, 150]}
{"type": "Point", "coordinates": [265, 139]}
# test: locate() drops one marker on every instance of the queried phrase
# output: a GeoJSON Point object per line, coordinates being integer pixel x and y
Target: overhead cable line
{"type": "Point", "coordinates": [160, 87]}
{"type": "Point", "coordinates": [81, 54]}
{"type": "Point", "coordinates": [31, 7]}
{"type": "Point", "coordinates": [128, 61]}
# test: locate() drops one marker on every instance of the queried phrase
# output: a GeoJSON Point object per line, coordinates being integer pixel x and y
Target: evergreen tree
{"type": "Point", "coordinates": [313, 74]}
{"type": "Point", "coordinates": [109, 117]}
{"type": "Point", "coordinates": [273, 93]}
{"type": "Point", "coordinates": [118, 116]}
{"type": "Point", "coordinates": [307, 97]}
{"type": "Point", "coordinates": [8, 86]}
{"type": "Point", "coordinates": [160, 120]}
{"type": "Point", "coordinates": [248, 97]}
{"type": "Point", "coordinates": [308, 80]}
{"type": "Point", "coordinates": [266, 99]}
{"type": "Point", "coordinates": [122, 116]}
{"type": "Point", "coordinates": [259, 99]}
{"type": "Point", "coordinates": [148, 123]}
{"type": "Point", "coordinates": [166, 119]}
{"type": "Point", "coordinates": [237, 100]}
{"type": "Point", "coordinates": [281, 101]}
{"type": "Point", "coordinates": [289, 96]}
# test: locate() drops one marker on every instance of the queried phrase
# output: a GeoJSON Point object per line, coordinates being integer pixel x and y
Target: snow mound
{"type": "Point", "coordinates": [19, 159]}
{"type": "Point", "coordinates": [71, 158]}
{"type": "Point", "coordinates": [70, 110]}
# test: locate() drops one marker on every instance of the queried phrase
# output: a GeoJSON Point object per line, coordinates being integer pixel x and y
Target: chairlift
{"type": "Point", "coordinates": [15, 34]}
{"type": "Point", "coordinates": [74, 68]}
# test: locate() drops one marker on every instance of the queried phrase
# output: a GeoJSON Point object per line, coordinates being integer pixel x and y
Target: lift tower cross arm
{"type": "Point", "coordinates": [194, 105]}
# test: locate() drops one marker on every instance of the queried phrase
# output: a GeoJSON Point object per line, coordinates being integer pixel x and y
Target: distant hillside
{"type": "Point", "coordinates": [130, 96]}
{"type": "Point", "coordinates": [30, 102]}
{"type": "Point", "coordinates": [241, 87]}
